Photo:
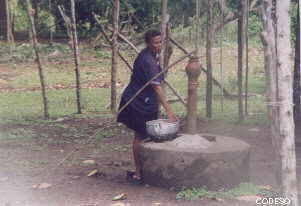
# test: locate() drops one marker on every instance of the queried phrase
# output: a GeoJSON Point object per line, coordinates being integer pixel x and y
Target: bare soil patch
{"type": "Point", "coordinates": [30, 158]}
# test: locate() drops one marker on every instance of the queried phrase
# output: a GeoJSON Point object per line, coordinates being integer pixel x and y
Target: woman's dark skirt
{"type": "Point", "coordinates": [134, 119]}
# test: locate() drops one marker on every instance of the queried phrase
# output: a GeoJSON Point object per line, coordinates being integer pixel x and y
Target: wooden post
{"type": "Point", "coordinates": [221, 60]}
{"type": "Point", "coordinates": [164, 20]}
{"type": "Point", "coordinates": [68, 27]}
{"type": "Point", "coordinates": [197, 29]}
{"type": "Point", "coordinates": [168, 50]}
{"type": "Point", "coordinates": [284, 65]}
{"type": "Point", "coordinates": [209, 43]}
{"type": "Point", "coordinates": [246, 14]}
{"type": "Point", "coordinates": [76, 58]}
{"type": "Point", "coordinates": [10, 36]}
{"type": "Point", "coordinates": [51, 33]}
{"type": "Point", "coordinates": [3, 19]}
{"type": "Point", "coordinates": [36, 14]}
{"type": "Point", "coordinates": [296, 84]}
{"type": "Point", "coordinates": [114, 56]}
{"type": "Point", "coordinates": [35, 45]}
{"type": "Point", "coordinates": [241, 39]}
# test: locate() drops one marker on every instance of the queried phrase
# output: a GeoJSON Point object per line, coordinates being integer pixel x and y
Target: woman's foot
{"type": "Point", "coordinates": [133, 177]}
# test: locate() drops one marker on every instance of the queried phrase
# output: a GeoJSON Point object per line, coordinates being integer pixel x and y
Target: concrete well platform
{"type": "Point", "coordinates": [196, 160]}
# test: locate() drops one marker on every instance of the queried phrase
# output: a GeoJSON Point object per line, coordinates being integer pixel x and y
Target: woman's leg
{"type": "Point", "coordinates": [136, 147]}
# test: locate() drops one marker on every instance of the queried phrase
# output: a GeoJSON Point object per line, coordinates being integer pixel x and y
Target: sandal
{"type": "Point", "coordinates": [131, 177]}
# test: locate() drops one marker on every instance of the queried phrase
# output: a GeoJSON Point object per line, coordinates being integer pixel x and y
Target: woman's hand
{"type": "Point", "coordinates": [172, 117]}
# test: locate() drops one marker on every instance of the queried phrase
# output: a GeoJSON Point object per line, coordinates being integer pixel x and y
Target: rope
{"type": "Point", "coordinates": [279, 103]}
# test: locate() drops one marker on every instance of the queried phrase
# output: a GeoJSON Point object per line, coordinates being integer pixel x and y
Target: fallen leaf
{"type": "Point", "coordinates": [120, 197]}
{"type": "Point", "coordinates": [59, 120]}
{"type": "Point", "coordinates": [3, 179]}
{"type": "Point", "coordinates": [265, 187]}
{"type": "Point", "coordinates": [254, 130]}
{"type": "Point", "coordinates": [93, 172]}
{"type": "Point", "coordinates": [34, 186]}
{"type": "Point", "coordinates": [89, 162]}
{"type": "Point", "coordinates": [217, 199]}
{"type": "Point", "coordinates": [248, 198]}
{"type": "Point", "coordinates": [42, 186]}
{"type": "Point", "coordinates": [118, 204]}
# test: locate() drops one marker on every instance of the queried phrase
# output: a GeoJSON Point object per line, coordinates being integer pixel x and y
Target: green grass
{"type": "Point", "coordinates": [95, 68]}
{"type": "Point", "coordinates": [28, 105]}
{"type": "Point", "coordinates": [198, 193]}
{"type": "Point", "coordinates": [17, 134]}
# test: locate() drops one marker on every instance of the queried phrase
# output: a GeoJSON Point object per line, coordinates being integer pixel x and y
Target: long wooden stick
{"type": "Point", "coordinates": [166, 82]}
{"type": "Point", "coordinates": [114, 56]}
{"type": "Point", "coordinates": [221, 61]}
{"type": "Point", "coordinates": [129, 66]}
{"type": "Point", "coordinates": [125, 61]}
{"type": "Point", "coordinates": [241, 40]}
{"type": "Point", "coordinates": [128, 42]}
{"type": "Point", "coordinates": [147, 83]}
{"type": "Point", "coordinates": [209, 45]}
{"type": "Point", "coordinates": [68, 25]}
{"type": "Point", "coordinates": [164, 21]}
{"type": "Point", "coordinates": [102, 29]}
{"type": "Point", "coordinates": [178, 45]}
{"type": "Point", "coordinates": [247, 58]}
{"type": "Point", "coordinates": [197, 30]}
{"type": "Point", "coordinates": [226, 93]}
{"type": "Point", "coordinates": [38, 60]}
{"type": "Point", "coordinates": [176, 93]}
{"type": "Point", "coordinates": [76, 58]}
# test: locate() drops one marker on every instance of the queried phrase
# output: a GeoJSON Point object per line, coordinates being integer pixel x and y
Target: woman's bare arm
{"type": "Point", "coordinates": [161, 97]}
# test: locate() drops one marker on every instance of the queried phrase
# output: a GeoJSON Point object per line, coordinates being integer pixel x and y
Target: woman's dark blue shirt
{"type": "Point", "coordinates": [146, 66]}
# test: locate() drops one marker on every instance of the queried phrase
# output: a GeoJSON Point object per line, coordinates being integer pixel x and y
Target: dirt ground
{"type": "Point", "coordinates": [54, 153]}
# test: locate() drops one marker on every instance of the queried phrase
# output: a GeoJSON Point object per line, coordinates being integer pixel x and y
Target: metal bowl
{"type": "Point", "coordinates": [162, 129]}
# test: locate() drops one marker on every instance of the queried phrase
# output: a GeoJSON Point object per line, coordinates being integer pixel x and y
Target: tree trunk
{"type": "Point", "coordinates": [296, 84]}
{"type": "Point", "coordinates": [283, 48]}
{"type": "Point", "coordinates": [241, 38]}
{"type": "Point", "coordinates": [51, 33]}
{"type": "Point", "coordinates": [278, 67]}
{"type": "Point", "coordinates": [247, 56]}
{"type": "Point", "coordinates": [36, 14]}
{"type": "Point", "coordinates": [209, 59]}
{"type": "Point", "coordinates": [35, 45]}
{"type": "Point", "coordinates": [169, 49]}
{"type": "Point", "coordinates": [268, 37]}
{"type": "Point", "coordinates": [114, 56]}
{"type": "Point", "coordinates": [76, 58]}
{"type": "Point", "coordinates": [6, 29]}
{"type": "Point", "coordinates": [9, 33]}
{"type": "Point", "coordinates": [197, 30]}
{"type": "Point", "coordinates": [68, 27]}
{"type": "Point", "coordinates": [164, 17]}
{"type": "Point", "coordinates": [3, 18]}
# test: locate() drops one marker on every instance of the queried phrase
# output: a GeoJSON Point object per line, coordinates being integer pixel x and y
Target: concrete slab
{"type": "Point", "coordinates": [196, 160]}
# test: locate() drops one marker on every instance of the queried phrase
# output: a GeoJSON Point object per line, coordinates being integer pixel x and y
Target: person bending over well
{"type": "Point", "coordinates": [145, 106]}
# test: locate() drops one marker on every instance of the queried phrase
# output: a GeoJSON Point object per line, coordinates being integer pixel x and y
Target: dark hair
{"type": "Point", "coordinates": [151, 34]}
